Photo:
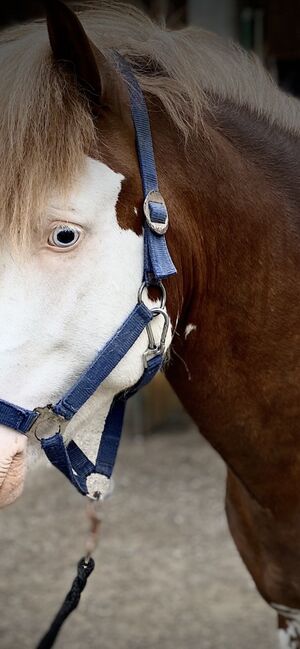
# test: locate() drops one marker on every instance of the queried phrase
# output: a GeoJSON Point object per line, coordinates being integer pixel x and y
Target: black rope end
{"type": "Point", "coordinates": [84, 568]}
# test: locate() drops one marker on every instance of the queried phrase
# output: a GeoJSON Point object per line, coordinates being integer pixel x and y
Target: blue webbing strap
{"type": "Point", "coordinates": [15, 417]}
{"type": "Point", "coordinates": [157, 260]}
{"type": "Point", "coordinates": [73, 463]}
{"type": "Point", "coordinates": [21, 419]}
{"type": "Point", "coordinates": [111, 435]}
{"type": "Point", "coordinates": [105, 362]}
{"type": "Point", "coordinates": [56, 452]}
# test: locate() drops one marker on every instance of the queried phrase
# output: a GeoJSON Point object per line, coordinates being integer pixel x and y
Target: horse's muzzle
{"type": "Point", "coordinates": [12, 465]}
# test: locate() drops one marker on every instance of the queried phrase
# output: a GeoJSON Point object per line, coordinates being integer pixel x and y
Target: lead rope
{"type": "Point", "coordinates": [85, 567]}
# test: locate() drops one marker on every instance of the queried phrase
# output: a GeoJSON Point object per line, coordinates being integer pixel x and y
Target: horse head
{"type": "Point", "coordinates": [72, 250]}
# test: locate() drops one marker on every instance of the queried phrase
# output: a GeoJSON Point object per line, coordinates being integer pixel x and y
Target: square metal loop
{"type": "Point", "coordinates": [158, 226]}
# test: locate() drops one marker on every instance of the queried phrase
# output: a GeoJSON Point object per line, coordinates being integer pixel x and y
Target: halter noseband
{"type": "Point", "coordinates": [70, 459]}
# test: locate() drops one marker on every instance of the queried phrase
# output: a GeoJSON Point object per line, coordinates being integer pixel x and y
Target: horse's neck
{"type": "Point", "coordinates": [235, 362]}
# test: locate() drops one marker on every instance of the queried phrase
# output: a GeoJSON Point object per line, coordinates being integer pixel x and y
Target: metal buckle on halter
{"type": "Point", "coordinates": [156, 226]}
{"type": "Point", "coordinates": [45, 416]}
{"type": "Point", "coordinates": [155, 349]}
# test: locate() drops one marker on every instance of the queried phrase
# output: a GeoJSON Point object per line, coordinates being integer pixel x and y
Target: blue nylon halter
{"type": "Point", "coordinates": [71, 460]}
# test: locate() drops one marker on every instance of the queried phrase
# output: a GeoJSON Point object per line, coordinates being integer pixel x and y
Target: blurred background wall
{"type": "Point", "coordinates": [269, 27]}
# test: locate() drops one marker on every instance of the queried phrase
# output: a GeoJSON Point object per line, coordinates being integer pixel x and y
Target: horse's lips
{"type": "Point", "coordinates": [12, 465]}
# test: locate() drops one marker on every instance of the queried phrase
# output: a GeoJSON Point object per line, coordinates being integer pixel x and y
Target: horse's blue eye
{"type": "Point", "coordinates": [64, 236]}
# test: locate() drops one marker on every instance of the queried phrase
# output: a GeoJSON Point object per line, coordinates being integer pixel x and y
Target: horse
{"type": "Point", "coordinates": [226, 144]}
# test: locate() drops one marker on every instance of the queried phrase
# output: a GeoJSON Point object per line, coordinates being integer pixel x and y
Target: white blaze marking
{"type": "Point", "coordinates": [189, 329]}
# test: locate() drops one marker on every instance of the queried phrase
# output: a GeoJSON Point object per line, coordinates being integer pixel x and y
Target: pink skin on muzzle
{"type": "Point", "coordinates": [12, 465]}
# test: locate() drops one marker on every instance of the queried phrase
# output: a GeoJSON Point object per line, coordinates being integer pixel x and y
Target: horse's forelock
{"type": "Point", "coordinates": [45, 130]}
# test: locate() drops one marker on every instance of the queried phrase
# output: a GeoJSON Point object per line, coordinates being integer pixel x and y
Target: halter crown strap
{"type": "Point", "coordinates": [157, 260]}
{"type": "Point", "coordinates": [71, 460]}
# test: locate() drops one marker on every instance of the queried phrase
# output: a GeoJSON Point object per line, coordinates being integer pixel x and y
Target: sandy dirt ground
{"type": "Point", "coordinates": [167, 574]}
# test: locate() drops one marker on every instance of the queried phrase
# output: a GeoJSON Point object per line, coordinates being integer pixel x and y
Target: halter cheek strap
{"type": "Point", "coordinates": [157, 260]}
{"type": "Point", "coordinates": [71, 460]}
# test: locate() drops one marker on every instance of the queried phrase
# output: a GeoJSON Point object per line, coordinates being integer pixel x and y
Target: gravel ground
{"type": "Point", "coordinates": [167, 574]}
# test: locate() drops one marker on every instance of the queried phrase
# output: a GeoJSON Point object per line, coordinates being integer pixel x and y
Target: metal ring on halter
{"type": "Point", "coordinates": [158, 285]}
{"type": "Point", "coordinates": [46, 415]}
{"type": "Point", "coordinates": [159, 227]}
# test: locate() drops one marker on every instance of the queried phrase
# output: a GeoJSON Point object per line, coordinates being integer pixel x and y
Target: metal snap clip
{"type": "Point", "coordinates": [154, 349]}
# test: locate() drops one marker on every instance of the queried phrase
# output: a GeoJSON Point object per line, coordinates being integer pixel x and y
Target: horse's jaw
{"type": "Point", "coordinates": [12, 465]}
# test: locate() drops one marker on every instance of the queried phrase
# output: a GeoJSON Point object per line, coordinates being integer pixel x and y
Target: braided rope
{"type": "Point", "coordinates": [71, 601]}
